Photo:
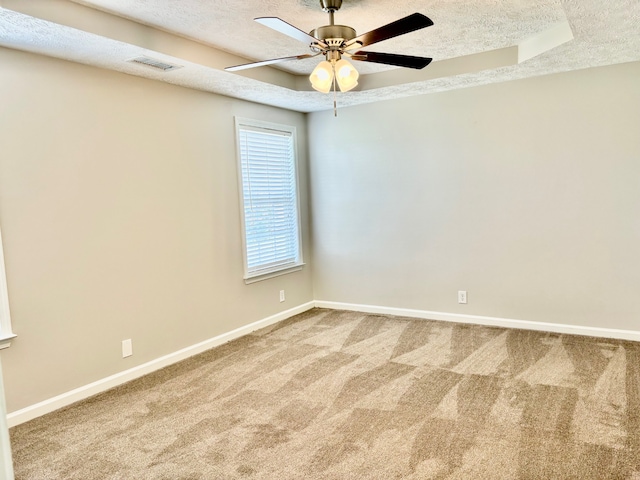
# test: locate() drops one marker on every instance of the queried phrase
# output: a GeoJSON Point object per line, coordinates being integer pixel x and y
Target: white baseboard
{"type": "Point", "coordinates": [632, 335]}
{"type": "Point", "coordinates": [86, 391]}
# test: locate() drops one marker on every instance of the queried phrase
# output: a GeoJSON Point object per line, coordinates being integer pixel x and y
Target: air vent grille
{"type": "Point", "coordinates": [153, 63]}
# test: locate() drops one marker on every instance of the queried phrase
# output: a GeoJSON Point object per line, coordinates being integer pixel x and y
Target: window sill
{"type": "Point", "coordinates": [271, 274]}
{"type": "Point", "coordinates": [5, 340]}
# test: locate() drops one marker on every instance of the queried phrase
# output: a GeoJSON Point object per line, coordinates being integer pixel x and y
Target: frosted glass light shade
{"type": "Point", "coordinates": [322, 77]}
{"type": "Point", "coordinates": [346, 75]}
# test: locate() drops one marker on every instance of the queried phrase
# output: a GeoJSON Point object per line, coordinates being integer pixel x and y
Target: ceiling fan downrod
{"type": "Point", "coordinates": [331, 7]}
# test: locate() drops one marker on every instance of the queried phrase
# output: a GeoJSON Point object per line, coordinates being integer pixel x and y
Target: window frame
{"type": "Point", "coordinates": [6, 333]}
{"type": "Point", "coordinates": [290, 131]}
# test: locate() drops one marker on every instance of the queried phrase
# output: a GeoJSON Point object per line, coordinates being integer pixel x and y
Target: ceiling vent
{"type": "Point", "coordinates": [153, 63]}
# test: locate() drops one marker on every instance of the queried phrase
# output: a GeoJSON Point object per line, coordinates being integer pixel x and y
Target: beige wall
{"type": "Point", "coordinates": [120, 217]}
{"type": "Point", "coordinates": [526, 194]}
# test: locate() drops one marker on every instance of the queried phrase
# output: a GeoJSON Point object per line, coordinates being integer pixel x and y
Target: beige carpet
{"type": "Point", "coordinates": [344, 395]}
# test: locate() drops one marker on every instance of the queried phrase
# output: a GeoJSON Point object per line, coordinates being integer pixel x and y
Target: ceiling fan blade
{"type": "Point", "coordinates": [281, 26]}
{"type": "Point", "coordinates": [413, 22]}
{"type": "Point", "coordinates": [407, 61]}
{"type": "Point", "coordinates": [268, 62]}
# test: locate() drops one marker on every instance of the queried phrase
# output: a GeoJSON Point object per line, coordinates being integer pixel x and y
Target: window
{"type": "Point", "coordinates": [269, 197]}
{"type": "Point", "coordinates": [6, 333]}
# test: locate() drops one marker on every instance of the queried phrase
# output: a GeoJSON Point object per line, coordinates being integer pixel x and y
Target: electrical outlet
{"type": "Point", "coordinates": [462, 296]}
{"type": "Point", "coordinates": [281, 296]}
{"type": "Point", "coordinates": [127, 348]}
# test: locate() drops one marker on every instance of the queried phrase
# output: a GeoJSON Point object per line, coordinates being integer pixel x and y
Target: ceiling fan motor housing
{"type": "Point", "coordinates": [330, 5]}
{"type": "Point", "coordinates": [331, 32]}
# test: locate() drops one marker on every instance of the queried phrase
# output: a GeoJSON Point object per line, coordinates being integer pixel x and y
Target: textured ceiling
{"type": "Point", "coordinates": [460, 28]}
{"type": "Point", "coordinates": [472, 42]}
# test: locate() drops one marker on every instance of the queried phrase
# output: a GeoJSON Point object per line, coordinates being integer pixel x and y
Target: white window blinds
{"type": "Point", "coordinates": [269, 197]}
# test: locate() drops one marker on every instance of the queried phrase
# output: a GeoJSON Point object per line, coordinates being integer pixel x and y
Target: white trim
{"type": "Point", "coordinates": [86, 391]}
{"type": "Point", "coordinates": [6, 463]}
{"type": "Point", "coordinates": [632, 335]}
{"type": "Point", "coordinates": [5, 340]}
{"type": "Point", "coordinates": [295, 268]}
{"type": "Point", "coordinates": [6, 334]}
{"type": "Point", "coordinates": [55, 403]}
{"type": "Point", "coordinates": [291, 132]}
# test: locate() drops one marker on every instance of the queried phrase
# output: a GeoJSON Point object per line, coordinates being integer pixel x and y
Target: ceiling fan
{"type": "Point", "coordinates": [338, 41]}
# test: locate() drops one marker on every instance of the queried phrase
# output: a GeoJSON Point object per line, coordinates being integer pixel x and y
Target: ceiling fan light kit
{"type": "Point", "coordinates": [321, 77]}
{"type": "Point", "coordinates": [346, 74]}
{"type": "Point", "coordinates": [337, 41]}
